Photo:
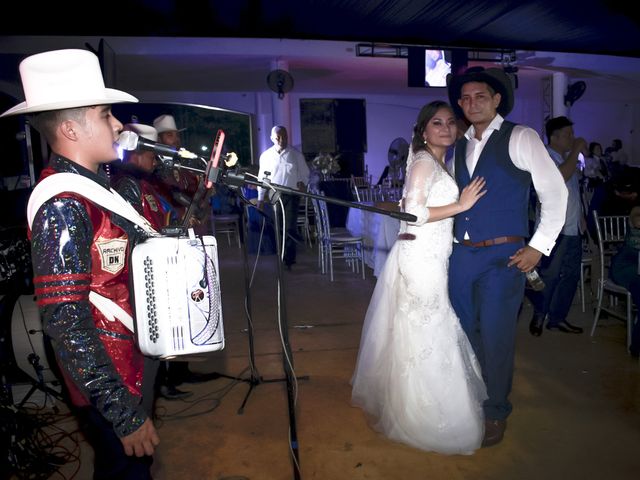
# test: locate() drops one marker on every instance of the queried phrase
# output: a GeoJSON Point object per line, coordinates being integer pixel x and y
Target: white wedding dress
{"type": "Point", "coordinates": [416, 374]}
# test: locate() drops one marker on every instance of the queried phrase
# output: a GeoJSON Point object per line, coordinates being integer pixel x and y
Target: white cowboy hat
{"type": "Point", "coordinates": [62, 79]}
{"type": "Point", "coordinates": [166, 123]}
{"type": "Point", "coordinates": [145, 131]}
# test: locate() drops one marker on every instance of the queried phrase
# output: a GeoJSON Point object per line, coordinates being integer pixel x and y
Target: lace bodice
{"type": "Point", "coordinates": [428, 184]}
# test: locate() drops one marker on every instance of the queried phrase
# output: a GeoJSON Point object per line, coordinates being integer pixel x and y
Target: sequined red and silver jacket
{"type": "Point", "coordinates": [78, 247]}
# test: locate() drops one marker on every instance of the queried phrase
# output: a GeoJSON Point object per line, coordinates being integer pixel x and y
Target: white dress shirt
{"type": "Point", "coordinates": [528, 153]}
{"type": "Point", "coordinates": [286, 168]}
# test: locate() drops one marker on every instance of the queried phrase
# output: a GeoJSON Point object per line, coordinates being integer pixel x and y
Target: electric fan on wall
{"type": "Point", "coordinates": [280, 81]}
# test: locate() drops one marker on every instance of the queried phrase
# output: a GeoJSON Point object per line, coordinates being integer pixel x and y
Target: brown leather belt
{"type": "Point", "coordinates": [406, 236]}
{"type": "Point", "coordinates": [492, 241]}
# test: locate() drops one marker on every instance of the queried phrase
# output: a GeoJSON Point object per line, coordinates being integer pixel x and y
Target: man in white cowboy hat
{"type": "Point", "coordinates": [133, 178]}
{"type": "Point", "coordinates": [80, 260]}
{"type": "Point", "coordinates": [179, 188]}
{"type": "Point", "coordinates": [490, 257]}
{"type": "Point", "coordinates": [180, 185]}
{"type": "Point", "coordinates": [168, 132]}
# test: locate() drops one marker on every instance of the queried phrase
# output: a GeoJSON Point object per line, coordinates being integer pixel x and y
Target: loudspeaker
{"type": "Point", "coordinates": [333, 125]}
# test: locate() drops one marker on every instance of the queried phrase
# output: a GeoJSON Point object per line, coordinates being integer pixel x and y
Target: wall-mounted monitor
{"type": "Point", "coordinates": [430, 66]}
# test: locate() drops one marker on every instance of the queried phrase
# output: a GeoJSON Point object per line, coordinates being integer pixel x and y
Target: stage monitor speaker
{"type": "Point", "coordinates": [333, 125]}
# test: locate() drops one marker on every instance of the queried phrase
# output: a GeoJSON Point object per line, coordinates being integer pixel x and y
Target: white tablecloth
{"type": "Point", "coordinates": [379, 233]}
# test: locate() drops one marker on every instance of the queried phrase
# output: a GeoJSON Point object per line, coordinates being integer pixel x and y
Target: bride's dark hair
{"type": "Point", "coordinates": [426, 113]}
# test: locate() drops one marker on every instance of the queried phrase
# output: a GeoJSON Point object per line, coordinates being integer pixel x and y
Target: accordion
{"type": "Point", "coordinates": [176, 291]}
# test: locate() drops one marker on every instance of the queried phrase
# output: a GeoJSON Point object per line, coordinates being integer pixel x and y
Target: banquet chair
{"type": "Point", "coordinates": [586, 269]}
{"type": "Point", "coordinates": [610, 233]}
{"type": "Point", "coordinates": [371, 194]}
{"type": "Point", "coordinates": [360, 181]}
{"type": "Point", "coordinates": [336, 243]}
{"type": "Point", "coordinates": [322, 259]}
{"type": "Point", "coordinates": [228, 224]}
{"type": "Point", "coordinates": [319, 233]}
{"type": "Point", "coordinates": [303, 220]}
{"type": "Point", "coordinates": [358, 184]}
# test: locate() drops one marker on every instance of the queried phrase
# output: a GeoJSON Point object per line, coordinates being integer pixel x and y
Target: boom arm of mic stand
{"type": "Point", "coordinates": [233, 179]}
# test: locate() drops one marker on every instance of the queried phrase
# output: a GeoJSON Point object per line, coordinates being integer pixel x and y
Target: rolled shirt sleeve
{"type": "Point", "coordinates": [529, 153]}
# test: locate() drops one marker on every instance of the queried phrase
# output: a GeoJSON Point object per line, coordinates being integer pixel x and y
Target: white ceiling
{"type": "Point", "coordinates": [241, 65]}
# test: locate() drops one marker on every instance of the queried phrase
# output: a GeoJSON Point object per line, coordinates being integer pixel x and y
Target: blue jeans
{"type": "Point", "coordinates": [560, 272]}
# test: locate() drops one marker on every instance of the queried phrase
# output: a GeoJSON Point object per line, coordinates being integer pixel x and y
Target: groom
{"type": "Point", "coordinates": [486, 281]}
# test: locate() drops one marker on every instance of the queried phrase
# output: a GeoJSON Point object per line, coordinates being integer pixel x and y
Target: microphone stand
{"type": "Point", "coordinates": [255, 377]}
{"type": "Point", "coordinates": [287, 354]}
{"type": "Point", "coordinates": [39, 384]}
{"type": "Point", "coordinates": [235, 180]}
{"type": "Point", "coordinates": [201, 192]}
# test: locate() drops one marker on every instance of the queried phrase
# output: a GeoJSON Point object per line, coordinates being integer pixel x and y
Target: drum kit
{"type": "Point", "coordinates": [25, 356]}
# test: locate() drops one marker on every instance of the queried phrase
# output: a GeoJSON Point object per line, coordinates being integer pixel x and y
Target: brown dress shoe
{"type": "Point", "coordinates": [493, 432]}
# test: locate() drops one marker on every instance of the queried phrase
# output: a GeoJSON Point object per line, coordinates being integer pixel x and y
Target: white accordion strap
{"type": "Point", "coordinates": [73, 183]}
{"type": "Point", "coordinates": [111, 310]}
{"type": "Point", "coordinates": [110, 199]}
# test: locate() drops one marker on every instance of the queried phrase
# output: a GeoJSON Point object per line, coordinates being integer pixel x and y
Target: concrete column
{"type": "Point", "coordinates": [560, 84]}
{"type": "Point", "coordinates": [264, 121]}
{"type": "Point", "coordinates": [281, 106]}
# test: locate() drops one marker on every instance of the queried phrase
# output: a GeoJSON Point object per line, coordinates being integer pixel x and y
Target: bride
{"type": "Point", "coordinates": [416, 375]}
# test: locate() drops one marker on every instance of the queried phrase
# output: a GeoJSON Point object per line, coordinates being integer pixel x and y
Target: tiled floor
{"type": "Point", "coordinates": [576, 398]}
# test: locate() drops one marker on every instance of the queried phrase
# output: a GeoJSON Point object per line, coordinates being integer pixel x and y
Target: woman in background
{"type": "Point", "coordinates": [595, 167]}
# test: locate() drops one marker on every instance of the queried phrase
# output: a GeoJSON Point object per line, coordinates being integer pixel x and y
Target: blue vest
{"type": "Point", "coordinates": [503, 211]}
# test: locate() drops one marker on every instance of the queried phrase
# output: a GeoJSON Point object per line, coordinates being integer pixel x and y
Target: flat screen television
{"type": "Point", "coordinates": [430, 66]}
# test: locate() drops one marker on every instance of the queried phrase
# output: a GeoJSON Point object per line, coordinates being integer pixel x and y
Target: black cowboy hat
{"type": "Point", "coordinates": [494, 77]}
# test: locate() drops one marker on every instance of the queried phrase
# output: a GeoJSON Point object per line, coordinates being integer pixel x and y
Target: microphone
{"type": "Point", "coordinates": [132, 141]}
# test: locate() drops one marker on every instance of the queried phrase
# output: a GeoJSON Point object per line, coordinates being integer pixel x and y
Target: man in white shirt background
{"type": "Point", "coordinates": [286, 167]}
{"type": "Point", "coordinates": [560, 271]}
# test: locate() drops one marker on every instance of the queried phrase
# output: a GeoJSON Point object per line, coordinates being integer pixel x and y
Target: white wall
{"type": "Point", "coordinates": [389, 117]}
{"type": "Point", "coordinates": [602, 122]}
